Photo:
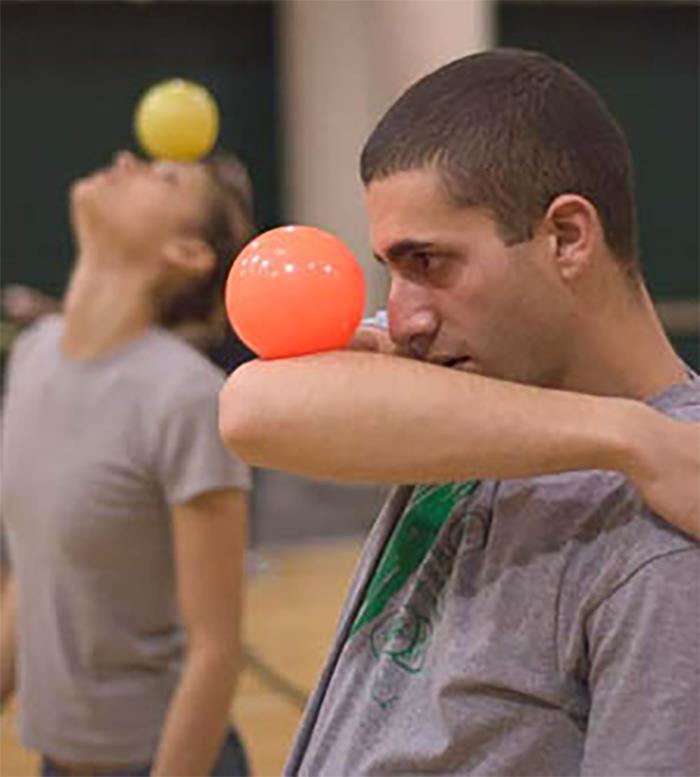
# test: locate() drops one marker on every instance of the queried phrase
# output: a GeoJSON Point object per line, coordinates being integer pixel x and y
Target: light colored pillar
{"type": "Point", "coordinates": [410, 38]}
{"type": "Point", "coordinates": [342, 64]}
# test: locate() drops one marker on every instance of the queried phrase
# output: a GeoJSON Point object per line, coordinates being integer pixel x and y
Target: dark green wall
{"type": "Point", "coordinates": [643, 59]}
{"type": "Point", "coordinates": [71, 76]}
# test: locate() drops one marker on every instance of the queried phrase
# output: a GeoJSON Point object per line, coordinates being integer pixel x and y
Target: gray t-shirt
{"type": "Point", "coordinates": [95, 454]}
{"type": "Point", "coordinates": [546, 626]}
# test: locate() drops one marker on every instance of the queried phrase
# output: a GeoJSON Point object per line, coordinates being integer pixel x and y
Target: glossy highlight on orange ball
{"type": "Point", "coordinates": [295, 290]}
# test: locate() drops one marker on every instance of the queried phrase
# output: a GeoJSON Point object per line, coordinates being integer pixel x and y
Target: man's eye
{"type": "Point", "coordinates": [425, 261]}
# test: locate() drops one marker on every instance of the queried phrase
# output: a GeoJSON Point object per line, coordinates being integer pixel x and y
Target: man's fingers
{"type": "Point", "coordinates": [372, 339]}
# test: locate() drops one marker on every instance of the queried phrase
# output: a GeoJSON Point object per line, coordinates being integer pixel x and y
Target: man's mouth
{"type": "Point", "coordinates": [454, 363]}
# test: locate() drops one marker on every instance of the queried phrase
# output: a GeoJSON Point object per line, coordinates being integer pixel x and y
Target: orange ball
{"type": "Point", "coordinates": [295, 290]}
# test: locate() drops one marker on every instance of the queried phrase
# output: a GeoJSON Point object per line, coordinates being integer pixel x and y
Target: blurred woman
{"type": "Point", "coordinates": [125, 516]}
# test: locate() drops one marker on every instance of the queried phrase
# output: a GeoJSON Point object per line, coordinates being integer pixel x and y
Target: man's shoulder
{"type": "Point", "coordinates": [590, 524]}
{"type": "Point", "coordinates": [681, 401]}
{"type": "Point", "coordinates": [600, 506]}
{"type": "Point", "coordinates": [589, 503]}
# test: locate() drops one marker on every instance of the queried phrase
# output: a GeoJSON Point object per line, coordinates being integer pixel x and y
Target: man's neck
{"type": "Point", "coordinates": [106, 306]}
{"type": "Point", "coordinates": [625, 352]}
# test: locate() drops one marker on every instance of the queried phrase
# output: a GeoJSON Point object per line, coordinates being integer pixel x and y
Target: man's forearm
{"type": "Point", "coordinates": [375, 418]}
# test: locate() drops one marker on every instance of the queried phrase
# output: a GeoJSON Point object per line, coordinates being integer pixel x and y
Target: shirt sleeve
{"type": "Point", "coordinates": [190, 457]}
{"type": "Point", "coordinates": [644, 652]}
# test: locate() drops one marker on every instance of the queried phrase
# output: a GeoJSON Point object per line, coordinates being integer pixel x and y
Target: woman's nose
{"type": "Point", "coordinates": [125, 160]}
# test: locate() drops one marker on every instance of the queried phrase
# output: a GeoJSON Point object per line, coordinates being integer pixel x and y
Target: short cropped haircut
{"type": "Point", "coordinates": [510, 130]}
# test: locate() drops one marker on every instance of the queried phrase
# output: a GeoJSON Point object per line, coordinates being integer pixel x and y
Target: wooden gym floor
{"type": "Point", "coordinates": [293, 601]}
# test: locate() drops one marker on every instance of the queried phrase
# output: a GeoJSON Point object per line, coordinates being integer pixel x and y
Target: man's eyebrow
{"type": "Point", "coordinates": [403, 248]}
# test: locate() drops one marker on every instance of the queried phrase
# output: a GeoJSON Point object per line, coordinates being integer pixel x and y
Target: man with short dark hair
{"type": "Point", "coordinates": [530, 624]}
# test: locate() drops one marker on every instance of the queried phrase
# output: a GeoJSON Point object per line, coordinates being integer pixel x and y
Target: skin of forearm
{"type": "Point", "coordinates": [7, 639]}
{"type": "Point", "coordinates": [198, 714]}
{"type": "Point", "coordinates": [376, 418]}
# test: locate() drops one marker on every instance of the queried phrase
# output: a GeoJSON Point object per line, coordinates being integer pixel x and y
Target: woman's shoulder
{"type": "Point", "coordinates": [44, 332]}
{"type": "Point", "coordinates": [179, 371]}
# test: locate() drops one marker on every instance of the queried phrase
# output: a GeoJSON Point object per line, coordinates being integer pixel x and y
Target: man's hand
{"type": "Point", "coordinates": [666, 470]}
{"type": "Point", "coordinates": [372, 339]}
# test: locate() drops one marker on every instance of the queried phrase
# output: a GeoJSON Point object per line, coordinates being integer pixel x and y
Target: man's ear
{"type": "Point", "coordinates": [189, 255]}
{"type": "Point", "coordinates": [575, 230]}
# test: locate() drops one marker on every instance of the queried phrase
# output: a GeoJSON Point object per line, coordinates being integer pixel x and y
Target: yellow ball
{"type": "Point", "coordinates": [177, 120]}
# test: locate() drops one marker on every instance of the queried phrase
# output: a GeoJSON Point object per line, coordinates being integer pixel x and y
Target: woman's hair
{"type": "Point", "coordinates": [197, 311]}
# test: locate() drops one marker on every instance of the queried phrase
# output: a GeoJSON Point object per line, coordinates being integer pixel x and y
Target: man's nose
{"type": "Point", "coordinates": [413, 320]}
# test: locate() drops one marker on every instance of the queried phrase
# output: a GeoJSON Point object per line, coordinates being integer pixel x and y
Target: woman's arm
{"type": "Point", "coordinates": [376, 418]}
{"type": "Point", "coordinates": [8, 637]}
{"type": "Point", "coordinates": [210, 534]}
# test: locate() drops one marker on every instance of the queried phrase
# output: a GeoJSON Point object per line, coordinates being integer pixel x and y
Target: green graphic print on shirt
{"type": "Point", "coordinates": [413, 537]}
{"type": "Point", "coordinates": [402, 636]}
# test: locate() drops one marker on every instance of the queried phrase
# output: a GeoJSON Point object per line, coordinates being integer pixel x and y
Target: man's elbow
{"type": "Point", "coordinates": [241, 415]}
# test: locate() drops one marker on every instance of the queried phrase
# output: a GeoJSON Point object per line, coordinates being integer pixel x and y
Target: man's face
{"type": "Point", "coordinates": [140, 206]}
{"type": "Point", "coordinates": [459, 295]}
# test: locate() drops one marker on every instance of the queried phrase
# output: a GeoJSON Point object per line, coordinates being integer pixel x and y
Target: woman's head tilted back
{"type": "Point", "coordinates": [176, 225]}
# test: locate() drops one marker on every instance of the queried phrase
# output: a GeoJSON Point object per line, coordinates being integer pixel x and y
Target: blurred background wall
{"type": "Point", "coordinates": [300, 83]}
